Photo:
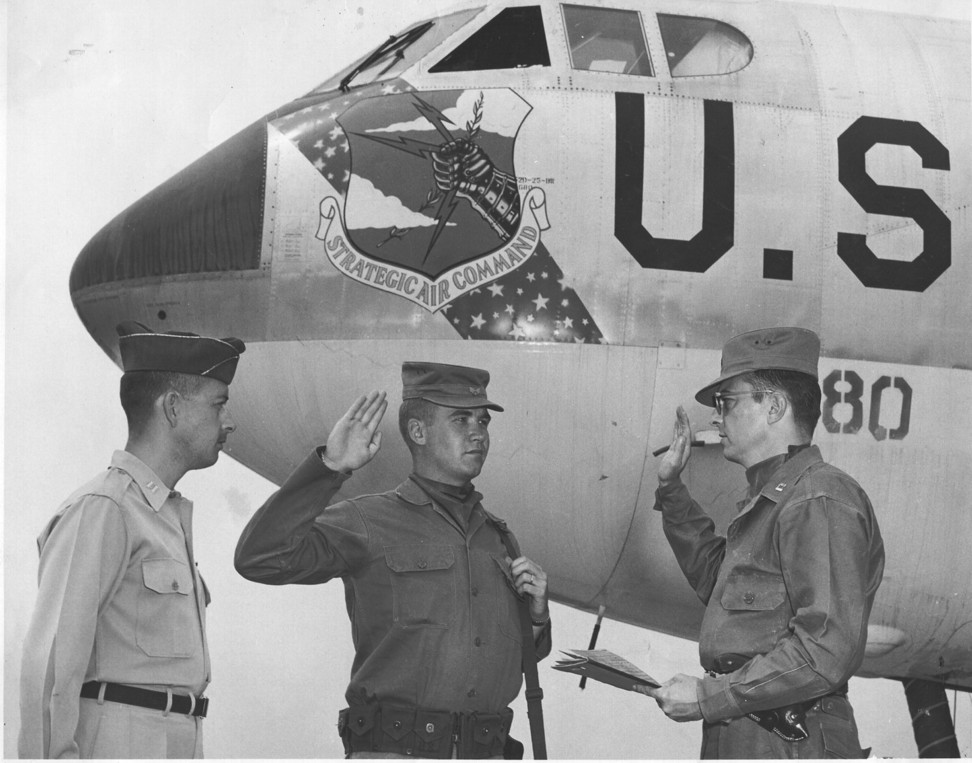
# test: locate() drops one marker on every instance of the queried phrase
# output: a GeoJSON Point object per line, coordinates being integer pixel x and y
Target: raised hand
{"type": "Point", "coordinates": [678, 454]}
{"type": "Point", "coordinates": [354, 440]}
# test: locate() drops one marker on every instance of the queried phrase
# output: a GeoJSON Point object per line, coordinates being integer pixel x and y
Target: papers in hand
{"type": "Point", "coordinates": [606, 667]}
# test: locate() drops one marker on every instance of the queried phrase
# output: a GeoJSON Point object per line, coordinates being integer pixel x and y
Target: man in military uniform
{"type": "Point", "coordinates": [789, 590]}
{"type": "Point", "coordinates": [115, 659]}
{"type": "Point", "coordinates": [433, 581]}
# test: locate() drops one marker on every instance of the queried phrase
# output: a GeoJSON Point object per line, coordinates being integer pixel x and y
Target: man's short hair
{"type": "Point", "coordinates": [413, 408]}
{"type": "Point", "coordinates": [802, 390]}
{"type": "Point", "coordinates": [140, 389]}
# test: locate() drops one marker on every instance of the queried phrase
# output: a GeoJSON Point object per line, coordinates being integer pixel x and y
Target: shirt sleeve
{"type": "Point", "coordinates": [824, 547]}
{"type": "Point", "coordinates": [543, 641]}
{"type": "Point", "coordinates": [82, 563]}
{"type": "Point", "coordinates": [296, 538]}
{"type": "Point", "coordinates": [691, 534]}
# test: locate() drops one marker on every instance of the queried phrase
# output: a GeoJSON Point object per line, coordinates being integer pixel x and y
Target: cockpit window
{"type": "Point", "coordinates": [696, 46]}
{"type": "Point", "coordinates": [397, 53]}
{"type": "Point", "coordinates": [606, 40]}
{"type": "Point", "coordinates": [514, 39]}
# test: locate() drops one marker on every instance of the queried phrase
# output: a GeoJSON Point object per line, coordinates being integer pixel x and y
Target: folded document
{"type": "Point", "coordinates": [606, 667]}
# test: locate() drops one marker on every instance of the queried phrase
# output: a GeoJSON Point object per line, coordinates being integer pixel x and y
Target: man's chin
{"type": "Point", "coordinates": [727, 450]}
{"type": "Point", "coordinates": [474, 471]}
{"type": "Point", "coordinates": [207, 462]}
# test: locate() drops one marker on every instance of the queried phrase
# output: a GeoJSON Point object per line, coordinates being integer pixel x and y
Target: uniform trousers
{"type": "Point", "coordinates": [830, 725]}
{"type": "Point", "coordinates": [115, 730]}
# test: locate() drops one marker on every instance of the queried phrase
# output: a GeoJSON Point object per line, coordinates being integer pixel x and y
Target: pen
{"type": "Point", "coordinates": [695, 444]}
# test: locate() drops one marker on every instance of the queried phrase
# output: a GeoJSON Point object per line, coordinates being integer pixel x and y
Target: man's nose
{"type": "Point", "coordinates": [229, 423]}
{"type": "Point", "coordinates": [716, 419]}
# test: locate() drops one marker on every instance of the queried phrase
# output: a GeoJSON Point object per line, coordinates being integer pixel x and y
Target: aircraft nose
{"type": "Point", "coordinates": [205, 221]}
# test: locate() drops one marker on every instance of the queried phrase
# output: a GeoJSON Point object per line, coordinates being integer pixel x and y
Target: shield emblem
{"type": "Point", "coordinates": [432, 182]}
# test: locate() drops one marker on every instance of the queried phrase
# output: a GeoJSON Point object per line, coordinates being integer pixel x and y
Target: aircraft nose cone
{"type": "Point", "coordinates": [207, 218]}
{"type": "Point", "coordinates": [206, 221]}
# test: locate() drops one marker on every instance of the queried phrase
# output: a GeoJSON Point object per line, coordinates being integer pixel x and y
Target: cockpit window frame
{"type": "Point", "coordinates": [453, 23]}
{"type": "Point", "coordinates": [717, 22]}
{"type": "Point", "coordinates": [434, 67]}
{"type": "Point", "coordinates": [642, 25]}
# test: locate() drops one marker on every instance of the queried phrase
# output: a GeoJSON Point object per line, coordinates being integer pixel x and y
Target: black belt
{"type": "Point", "coordinates": [154, 700]}
{"type": "Point", "coordinates": [383, 727]}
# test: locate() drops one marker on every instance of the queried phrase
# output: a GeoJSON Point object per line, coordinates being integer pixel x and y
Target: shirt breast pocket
{"type": "Point", "coordinates": [166, 620]}
{"type": "Point", "coordinates": [753, 590]}
{"type": "Point", "coordinates": [423, 585]}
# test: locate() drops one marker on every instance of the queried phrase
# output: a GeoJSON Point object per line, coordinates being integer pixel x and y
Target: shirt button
{"type": "Point", "coordinates": [750, 597]}
{"type": "Point", "coordinates": [175, 585]}
{"type": "Point", "coordinates": [429, 728]}
{"type": "Point", "coordinates": [423, 564]}
{"type": "Point", "coordinates": [478, 641]}
{"type": "Point", "coordinates": [471, 693]}
{"type": "Point", "coordinates": [475, 592]}
{"type": "Point", "coordinates": [397, 724]}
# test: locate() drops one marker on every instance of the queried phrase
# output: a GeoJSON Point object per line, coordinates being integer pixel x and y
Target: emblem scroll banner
{"type": "Point", "coordinates": [432, 293]}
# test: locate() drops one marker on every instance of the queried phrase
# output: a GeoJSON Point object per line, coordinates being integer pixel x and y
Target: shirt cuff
{"type": "Point", "coordinates": [668, 493]}
{"type": "Point", "coordinates": [715, 699]}
{"type": "Point", "coordinates": [320, 450]}
{"type": "Point", "coordinates": [543, 641]}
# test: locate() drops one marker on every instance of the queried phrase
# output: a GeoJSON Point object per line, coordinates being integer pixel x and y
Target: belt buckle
{"type": "Point", "coordinates": [202, 707]}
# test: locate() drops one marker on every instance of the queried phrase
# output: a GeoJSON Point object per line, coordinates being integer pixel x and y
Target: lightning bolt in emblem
{"type": "Point", "coordinates": [419, 148]}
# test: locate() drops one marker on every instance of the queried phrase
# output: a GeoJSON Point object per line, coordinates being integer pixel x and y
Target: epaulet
{"type": "Point", "coordinates": [111, 483]}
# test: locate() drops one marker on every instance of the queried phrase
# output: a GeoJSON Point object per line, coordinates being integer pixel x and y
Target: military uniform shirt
{"type": "Point", "coordinates": [119, 600]}
{"type": "Point", "coordinates": [434, 617]}
{"type": "Point", "coordinates": [791, 585]}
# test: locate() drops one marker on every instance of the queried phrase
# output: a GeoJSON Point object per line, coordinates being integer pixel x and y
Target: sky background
{"type": "Point", "coordinates": [104, 101]}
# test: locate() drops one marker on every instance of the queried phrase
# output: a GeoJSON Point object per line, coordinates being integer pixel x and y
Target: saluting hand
{"type": "Point", "coordinates": [678, 698]}
{"type": "Point", "coordinates": [679, 452]}
{"type": "Point", "coordinates": [354, 440]}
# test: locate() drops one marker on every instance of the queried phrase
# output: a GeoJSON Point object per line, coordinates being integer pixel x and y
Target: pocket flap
{"type": "Point", "coordinates": [396, 722]}
{"type": "Point", "coordinates": [753, 591]}
{"type": "Point", "coordinates": [167, 576]}
{"type": "Point", "coordinates": [431, 726]}
{"type": "Point", "coordinates": [420, 558]}
{"type": "Point", "coordinates": [485, 730]}
{"type": "Point", "coordinates": [837, 706]}
{"type": "Point", "coordinates": [361, 719]}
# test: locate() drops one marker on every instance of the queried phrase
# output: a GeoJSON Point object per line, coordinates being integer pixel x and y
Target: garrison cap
{"type": "Point", "coordinates": [177, 352]}
{"type": "Point", "coordinates": [450, 386]}
{"type": "Point", "coordinates": [779, 349]}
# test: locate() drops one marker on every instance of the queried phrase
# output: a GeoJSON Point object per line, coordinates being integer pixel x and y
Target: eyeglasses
{"type": "Point", "coordinates": [719, 400]}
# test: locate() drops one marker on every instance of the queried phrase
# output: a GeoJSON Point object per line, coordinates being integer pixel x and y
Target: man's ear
{"type": "Point", "coordinates": [171, 404]}
{"type": "Point", "coordinates": [778, 407]}
{"type": "Point", "coordinates": [417, 431]}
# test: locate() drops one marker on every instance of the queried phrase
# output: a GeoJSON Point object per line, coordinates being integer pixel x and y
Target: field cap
{"type": "Point", "coordinates": [442, 384]}
{"type": "Point", "coordinates": [780, 349]}
{"type": "Point", "coordinates": [177, 352]}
